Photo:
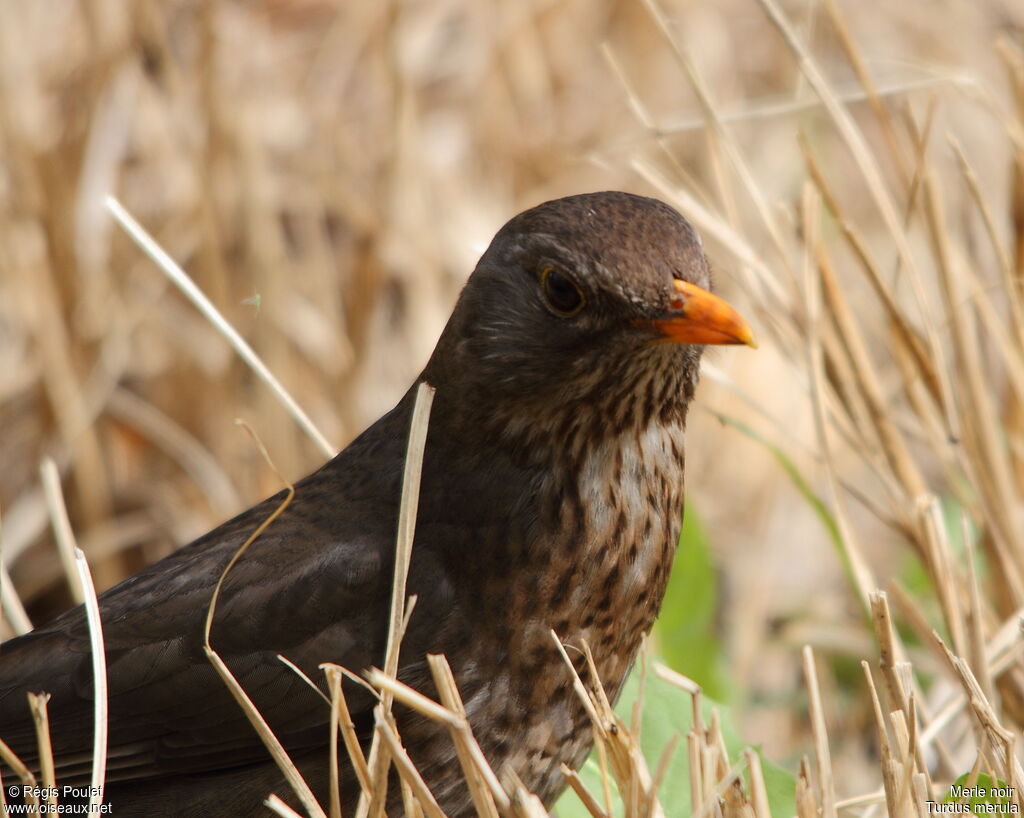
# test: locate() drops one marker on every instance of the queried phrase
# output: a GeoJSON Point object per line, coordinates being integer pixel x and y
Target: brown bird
{"type": "Point", "coordinates": [552, 494]}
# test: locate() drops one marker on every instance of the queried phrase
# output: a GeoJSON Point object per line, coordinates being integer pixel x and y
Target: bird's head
{"type": "Point", "coordinates": [594, 307]}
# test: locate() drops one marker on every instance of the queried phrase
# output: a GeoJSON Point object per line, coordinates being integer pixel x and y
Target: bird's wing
{"type": "Point", "coordinates": [313, 587]}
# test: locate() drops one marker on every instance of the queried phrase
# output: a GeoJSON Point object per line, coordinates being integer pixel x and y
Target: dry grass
{"type": "Point", "coordinates": [327, 174]}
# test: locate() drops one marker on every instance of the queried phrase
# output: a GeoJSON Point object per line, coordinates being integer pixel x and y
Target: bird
{"type": "Point", "coordinates": [551, 498]}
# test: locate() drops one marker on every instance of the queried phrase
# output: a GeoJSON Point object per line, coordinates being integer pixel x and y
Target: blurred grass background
{"type": "Point", "coordinates": [328, 173]}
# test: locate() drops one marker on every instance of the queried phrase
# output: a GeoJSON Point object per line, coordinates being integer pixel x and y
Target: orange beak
{"type": "Point", "coordinates": [698, 317]}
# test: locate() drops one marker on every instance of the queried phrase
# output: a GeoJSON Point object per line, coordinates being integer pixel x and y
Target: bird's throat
{"type": "Point", "coordinates": [595, 576]}
{"type": "Point", "coordinates": [619, 522]}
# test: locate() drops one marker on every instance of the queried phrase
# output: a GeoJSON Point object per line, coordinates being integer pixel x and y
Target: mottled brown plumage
{"type": "Point", "coordinates": [551, 497]}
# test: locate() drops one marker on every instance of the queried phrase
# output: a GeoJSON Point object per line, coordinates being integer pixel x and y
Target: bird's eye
{"type": "Point", "coordinates": [562, 295]}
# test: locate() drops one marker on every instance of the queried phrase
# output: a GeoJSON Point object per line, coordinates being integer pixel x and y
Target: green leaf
{"type": "Point", "coordinates": [917, 579]}
{"type": "Point", "coordinates": [684, 634]}
{"type": "Point", "coordinates": [666, 712]}
{"type": "Point", "coordinates": [986, 792]}
{"type": "Point", "coordinates": [828, 520]}
{"type": "Point", "coordinates": [817, 505]}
